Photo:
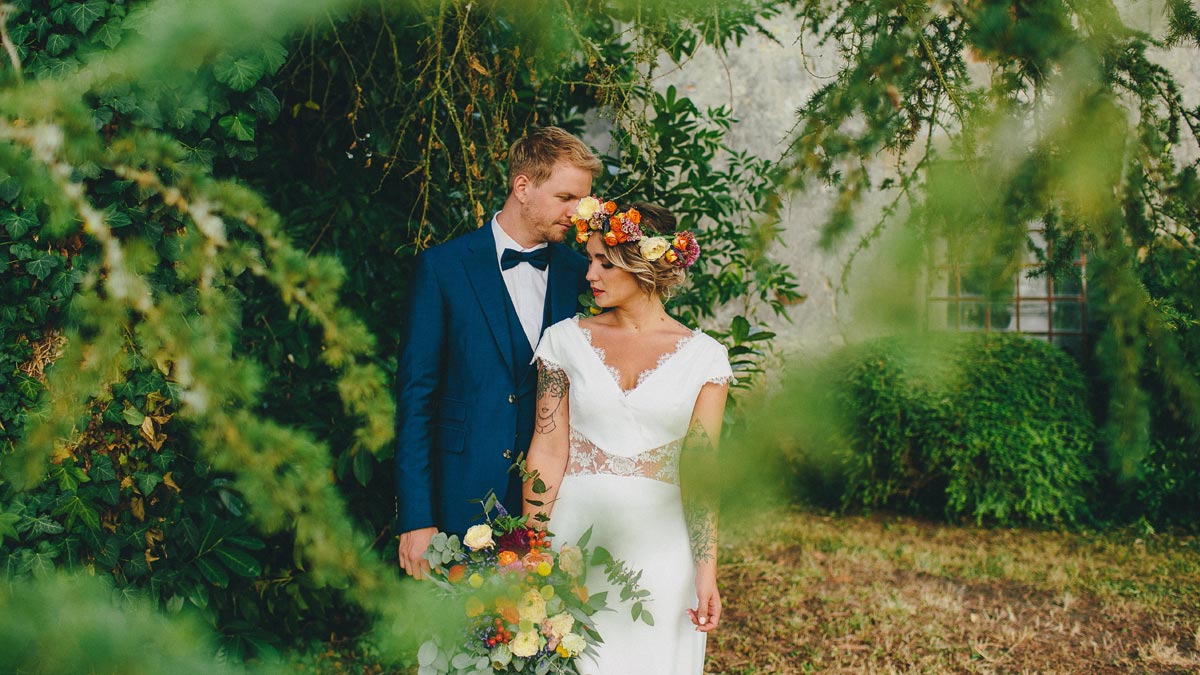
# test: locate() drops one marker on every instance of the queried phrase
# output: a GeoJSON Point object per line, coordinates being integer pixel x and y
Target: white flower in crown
{"type": "Point", "coordinates": [587, 208]}
{"type": "Point", "coordinates": [653, 248]}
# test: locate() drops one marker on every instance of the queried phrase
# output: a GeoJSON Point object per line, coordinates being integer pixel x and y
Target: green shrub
{"type": "Point", "coordinates": [990, 427]}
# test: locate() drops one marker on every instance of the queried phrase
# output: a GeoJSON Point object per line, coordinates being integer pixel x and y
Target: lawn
{"type": "Point", "coordinates": [810, 593]}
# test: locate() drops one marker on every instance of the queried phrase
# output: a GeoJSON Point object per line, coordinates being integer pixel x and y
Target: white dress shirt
{"type": "Point", "coordinates": [526, 284]}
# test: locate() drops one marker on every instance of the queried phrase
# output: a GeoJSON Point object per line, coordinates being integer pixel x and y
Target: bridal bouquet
{"type": "Point", "coordinates": [527, 606]}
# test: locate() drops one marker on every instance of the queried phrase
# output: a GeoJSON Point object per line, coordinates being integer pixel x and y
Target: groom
{"type": "Point", "coordinates": [479, 303]}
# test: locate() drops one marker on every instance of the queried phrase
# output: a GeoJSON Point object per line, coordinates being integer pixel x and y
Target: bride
{"type": "Point", "coordinates": [626, 401]}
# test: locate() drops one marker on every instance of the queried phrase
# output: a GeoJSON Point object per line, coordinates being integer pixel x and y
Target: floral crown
{"type": "Point", "coordinates": [615, 228]}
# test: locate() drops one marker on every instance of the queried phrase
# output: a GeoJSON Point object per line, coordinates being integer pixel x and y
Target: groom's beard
{"type": "Point", "coordinates": [553, 231]}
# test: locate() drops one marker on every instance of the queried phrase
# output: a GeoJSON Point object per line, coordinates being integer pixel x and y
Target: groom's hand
{"type": "Point", "coordinates": [412, 549]}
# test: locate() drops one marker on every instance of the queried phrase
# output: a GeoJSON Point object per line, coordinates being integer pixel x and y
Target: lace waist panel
{"type": "Point", "coordinates": [661, 463]}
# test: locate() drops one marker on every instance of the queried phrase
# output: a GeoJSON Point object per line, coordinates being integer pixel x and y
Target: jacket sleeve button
{"type": "Point", "coordinates": [507, 454]}
{"type": "Point", "coordinates": [512, 398]}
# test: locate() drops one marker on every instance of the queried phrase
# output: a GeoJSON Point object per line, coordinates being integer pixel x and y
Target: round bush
{"type": "Point", "coordinates": [992, 427]}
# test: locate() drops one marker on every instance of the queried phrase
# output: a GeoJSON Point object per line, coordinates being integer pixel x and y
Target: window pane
{"type": "Point", "coordinates": [1004, 316]}
{"type": "Point", "coordinates": [1032, 288]}
{"type": "Point", "coordinates": [941, 283]}
{"type": "Point", "coordinates": [941, 315]}
{"type": "Point", "coordinates": [974, 316]}
{"type": "Point", "coordinates": [1069, 283]}
{"type": "Point", "coordinates": [1034, 316]}
{"type": "Point", "coordinates": [1067, 316]}
{"type": "Point", "coordinates": [974, 280]}
{"type": "Point", "coordinates": [1039, 242]}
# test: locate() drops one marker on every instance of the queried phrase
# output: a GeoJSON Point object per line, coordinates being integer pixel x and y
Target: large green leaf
{"type": "Point", "coordinates": [239, 126]}
{"type": "Point", "coordinates": [83, 14]}
{"type": "Point", "coordinates": [43, 266]}
{"type": "Point", "coordinates": [57, 44]}
{"type": "Point", "coordinates": [212, 572]}
{"type": "Point", "coordinates": [74, 509]}
{"type": "Point", "coordinates": [239, 562]}
{"type": "Point", "coordinates": [8, 526]}
{"type": "Point", "coordinates": [18, 224]}
{"type": "Point", "coordinates": [108, 34]}
{"type": "Point", "coordinates": [240, 74]}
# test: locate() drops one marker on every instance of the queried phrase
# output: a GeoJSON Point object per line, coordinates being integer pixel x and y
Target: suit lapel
{"type": "Point", "coordinates": [562, 290]}
{"type": "Point", "coordinates": [483, 273]}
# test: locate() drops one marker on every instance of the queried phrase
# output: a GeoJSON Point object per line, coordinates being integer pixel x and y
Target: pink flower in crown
{"type": "Point", "coordinates": [686, 248]}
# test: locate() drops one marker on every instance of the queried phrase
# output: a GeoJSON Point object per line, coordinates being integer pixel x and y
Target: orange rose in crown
{"type": "Point", "coordinates": [617, 228]}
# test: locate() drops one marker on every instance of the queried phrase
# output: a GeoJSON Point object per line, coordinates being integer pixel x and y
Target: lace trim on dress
{"type": "Point", "coordinates": [599, 351]}
{"type": "Point", "coordinates": [722, 379]}
{"type": "Point", "coordinates": [547, 364]}
{"type": "Point", "coordinates": [661, 463]}
{"type": "Point", "coordinates": [645, 374]}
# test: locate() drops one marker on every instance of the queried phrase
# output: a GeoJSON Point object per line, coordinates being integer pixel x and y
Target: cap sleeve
{"type": "Point", "coordinates": [549, 349]}
{"type": "Point", "coordinates": [718, 370]}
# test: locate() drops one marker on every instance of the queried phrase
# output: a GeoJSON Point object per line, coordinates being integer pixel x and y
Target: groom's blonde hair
{"type": "Point", "coordinates": [535, 154]}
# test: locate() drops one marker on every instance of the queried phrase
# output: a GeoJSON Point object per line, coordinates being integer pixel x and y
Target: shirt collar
{"type": "Point", "coordinates": [504, 241]}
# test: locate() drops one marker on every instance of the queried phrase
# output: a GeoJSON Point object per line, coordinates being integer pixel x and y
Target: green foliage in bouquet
{"type": "Point", "coordinates": [527, 605]}
{"type": "Point", "coordinates": [994, 428]}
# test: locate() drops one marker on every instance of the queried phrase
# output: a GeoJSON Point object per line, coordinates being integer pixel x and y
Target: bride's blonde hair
{"type": "Point", "coordinates": [653, 276]}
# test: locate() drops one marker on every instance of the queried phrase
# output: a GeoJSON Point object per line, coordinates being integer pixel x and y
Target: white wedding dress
{"type": "Point", "coordinates": [622, 480]}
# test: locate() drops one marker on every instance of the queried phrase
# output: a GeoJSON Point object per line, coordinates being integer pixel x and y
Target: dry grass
{"type": "Point", "coordinates": [806, 593]}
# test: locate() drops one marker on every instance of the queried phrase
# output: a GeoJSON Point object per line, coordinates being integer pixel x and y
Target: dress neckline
{"type": "Point", "coordinates": [644, 375]}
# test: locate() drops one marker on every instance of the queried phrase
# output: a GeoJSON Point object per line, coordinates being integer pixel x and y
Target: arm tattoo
{"type": "Point", "coordinates": [702, 530]}
{"type": "Point", "coordinates": [701, 492]}
{"type": "Point", "coordinates": [552, 387]}
{"type": "Point", "coordinates": [697, 440]}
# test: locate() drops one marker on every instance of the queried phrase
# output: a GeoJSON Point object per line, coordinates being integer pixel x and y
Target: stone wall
{"type": "Point", "coordinates": [765, 82]}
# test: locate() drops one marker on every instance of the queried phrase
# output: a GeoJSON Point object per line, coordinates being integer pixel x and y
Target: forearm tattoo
{"type": "Point", "coordinates": [701, 492]}
{"type": "Point", "coordinates": [552, 387]}
{"type": "Point", "coordinates": [702, 530]}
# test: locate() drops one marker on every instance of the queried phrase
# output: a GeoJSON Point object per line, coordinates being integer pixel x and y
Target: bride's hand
{"type": "Point", "coordinates": [707, 614]}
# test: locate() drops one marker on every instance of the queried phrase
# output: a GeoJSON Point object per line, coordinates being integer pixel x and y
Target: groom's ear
{"type": "Point", "coordinates": [520, 187]}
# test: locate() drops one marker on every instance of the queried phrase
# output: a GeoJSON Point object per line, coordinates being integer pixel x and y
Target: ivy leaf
{"type": "Point", "coordinates": [40, 564]}
{"type": "Point", "coordinates": [133, 417]}
{"type": "Point", "coordinates": [239, 562]}
{"type": "Point", "coordinates": [56, 68]}
{"type": "Point", "coordinates": [18, 224]}
{"type": "Point", "coordinates": [108, 34]}
{"type": "Point", "coordinates": [74, 509]}
{"type": "Point", "coordinates": [40, 525]}
{"type": "Point", "coordinates": [10, 187]}
{"type": "Point", "coordinates": [240, 74]}
{"type": "Point", "coordinates": [43, 266]}
{"type": "Point", "coordinates": [37, 306]}
{"type": "Point", "coordinates": [239, 126]}
{"type": "Point", "coordinates": [29, 388]}
{"type": "Point", "coordinates": [57, 44]}
{"type": "Point", "coordinates": [8, 526]}
{"type": "Point", "coordinates": [83, 15]}
{"type": "Point", "coordinates": [116, 218]}
{"type": "Point", "coordinates": [21, 251]}
{"type": "Point", "coordinates": [265, 103]}
{"type": "Point", "coordinates": [274, 55]}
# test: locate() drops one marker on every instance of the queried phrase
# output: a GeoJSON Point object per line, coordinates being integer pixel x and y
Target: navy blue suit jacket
{"type": "Point", "coordinates": [465, 390]}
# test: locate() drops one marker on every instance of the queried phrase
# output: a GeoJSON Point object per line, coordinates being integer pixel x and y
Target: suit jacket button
{"type": "Point", "coordinates": [507, 454]}
{"type": "Point", "coordinates": [512, 398]}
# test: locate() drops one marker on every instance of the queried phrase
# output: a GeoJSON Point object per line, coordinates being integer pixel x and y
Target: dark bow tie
{"type": "Point", "coordinates": [539, 258]}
